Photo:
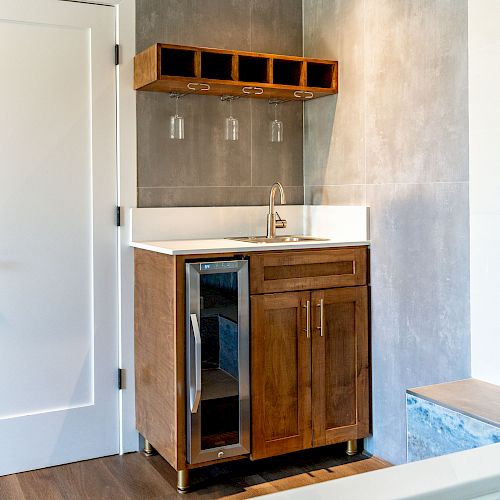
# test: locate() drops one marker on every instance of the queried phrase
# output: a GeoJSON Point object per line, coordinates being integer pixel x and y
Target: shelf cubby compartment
{"type": "Point", "coordinates": [287, 72]}
{"type": "Point", "coordinates": [217, 65]}
{"type": "Point", "coordinates": [253, 69]}
{"type": "Point", "coordinates": [178, 62]}
{"type": "Point", "coordinates": [320, 75]}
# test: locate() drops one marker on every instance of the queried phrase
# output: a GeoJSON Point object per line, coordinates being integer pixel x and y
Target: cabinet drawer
{"type": "Point", "coordinates": [309, 270]}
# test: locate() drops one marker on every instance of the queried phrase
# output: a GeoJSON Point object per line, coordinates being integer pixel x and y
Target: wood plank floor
{"type": "Point", "coordinates": [136, 477]}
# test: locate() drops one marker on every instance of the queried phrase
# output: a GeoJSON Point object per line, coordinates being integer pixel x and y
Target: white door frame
{"type": "Point", "coordinates": [127, 198]}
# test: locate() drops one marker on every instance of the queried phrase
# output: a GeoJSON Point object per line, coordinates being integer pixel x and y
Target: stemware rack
{"type": "Point", "coordinates": [183, 69]}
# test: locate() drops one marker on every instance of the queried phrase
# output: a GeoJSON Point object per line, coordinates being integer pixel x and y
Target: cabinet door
{"type": "Point", "coordinates": [281, 374]}
{"type": "Point", "coordinates": [340, 377]}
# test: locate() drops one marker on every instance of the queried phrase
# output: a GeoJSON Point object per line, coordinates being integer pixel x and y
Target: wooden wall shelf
{"type": "Point", "coordinates": [182, 69]}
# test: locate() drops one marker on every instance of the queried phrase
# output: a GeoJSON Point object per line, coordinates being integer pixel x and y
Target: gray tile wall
{"type": "Point", "coordinates": [204, 169]}
{"type": "Point", "coordinates": [396, 137]}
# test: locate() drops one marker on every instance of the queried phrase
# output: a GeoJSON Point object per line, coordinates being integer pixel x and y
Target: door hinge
{"type": "Point", "coordinates": [118, 216]}
{"type": "Point", "coordinates": [117, 55]}
{"type": "Point", "coordinates": [121, 379]}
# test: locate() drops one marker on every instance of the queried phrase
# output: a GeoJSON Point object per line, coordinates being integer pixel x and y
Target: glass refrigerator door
{"type": "Point", "coordinates": [217, 360]}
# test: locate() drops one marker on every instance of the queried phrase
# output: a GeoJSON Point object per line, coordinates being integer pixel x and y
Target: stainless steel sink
{"type": "Point", "coordinates": [277, 239]}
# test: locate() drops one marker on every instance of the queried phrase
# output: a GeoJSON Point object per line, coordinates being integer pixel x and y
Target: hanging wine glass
{"type": "Point", "coordinates": [177, 122]}
{"type": "Point", "coordinates": [276, 126]}
{"type": "Point", "coordinates": [232, 125]}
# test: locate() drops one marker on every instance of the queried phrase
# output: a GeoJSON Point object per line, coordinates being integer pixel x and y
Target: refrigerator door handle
{"type": "Point", "coordinates": [195, 392]}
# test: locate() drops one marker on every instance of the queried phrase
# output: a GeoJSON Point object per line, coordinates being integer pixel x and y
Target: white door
{"type": "Point", "coordinates": [58, 240]}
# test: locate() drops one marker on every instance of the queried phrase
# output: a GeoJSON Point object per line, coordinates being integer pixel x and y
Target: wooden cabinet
{"type": "Point", "coordinates": [310, 364]}
{"type": "Point", "coordinates": [183, 69]}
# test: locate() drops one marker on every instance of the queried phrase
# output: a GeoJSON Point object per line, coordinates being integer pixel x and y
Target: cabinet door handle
{"type": "Point", "coordinates": [320, 327]}
{"type": "Point", "coordinates": [308, 318]}
{"type": "Point", "coordinates": [195, 393]}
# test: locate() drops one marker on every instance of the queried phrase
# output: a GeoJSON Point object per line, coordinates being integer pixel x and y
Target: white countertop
{"type": "Point", "coordinates": [206, 246]}
{"type": "Point", "coordinates": [203, 230]}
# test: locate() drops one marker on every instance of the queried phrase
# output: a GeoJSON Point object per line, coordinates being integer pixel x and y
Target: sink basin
{"type": "Point", "coordinates": [277, 239]}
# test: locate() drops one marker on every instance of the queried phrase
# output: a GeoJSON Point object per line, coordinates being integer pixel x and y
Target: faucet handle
{"type": "Point", "coordinates": [280, 223]}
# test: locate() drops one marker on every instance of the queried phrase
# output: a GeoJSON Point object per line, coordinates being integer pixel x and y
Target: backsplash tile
{"type": "Point", "coordinates": [204, 157]}
{"type": "Point", "coordinates": [396, 135]}
{"type": "Point", "coordinates": [417, 128]}
{"type": "Point", "coordinates": [276, 26]}
{"type": "Point", "coordinates": [214, 196]}
{"type": "Point", "coordinates": [420, 315]}
{"type": "Point", "coordinates": [334, 125]}
{"type": "Point", "coordinates": [272, 161]}
{"type": "Point", "coordinates": [344, 194]}
{"type": "Point", "coordinates": [204, 167]}
{"type": "Point", "coordinates": [223, 24]}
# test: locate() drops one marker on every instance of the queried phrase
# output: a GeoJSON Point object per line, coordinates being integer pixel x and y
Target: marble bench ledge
{"type": "Point", "coordinates": [451, 417]}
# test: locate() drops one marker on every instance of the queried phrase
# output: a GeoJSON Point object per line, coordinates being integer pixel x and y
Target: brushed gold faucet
{"type": "Point", "coordinates": [274, 221]}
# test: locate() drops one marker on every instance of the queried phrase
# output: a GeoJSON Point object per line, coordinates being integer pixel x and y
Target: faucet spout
{"type": "Point", "coordinates": [272, 223]}
{"type": "Point", "coordinates": [272, 195]}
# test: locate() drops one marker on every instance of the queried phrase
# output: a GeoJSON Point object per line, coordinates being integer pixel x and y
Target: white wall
{"type": "Point", "coordinates": [484, 138]}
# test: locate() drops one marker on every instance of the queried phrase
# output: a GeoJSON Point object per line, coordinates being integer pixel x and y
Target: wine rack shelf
{"type": "Point", "coordinates": [183, 69]}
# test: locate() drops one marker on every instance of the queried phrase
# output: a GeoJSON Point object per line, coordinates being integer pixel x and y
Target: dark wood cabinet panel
{"type": "Point", "coordinates": [307, 270]}
{"type": "Point", "coordinates": [281, 374]}
{"type": "Point", "coordinates": [340, 377]}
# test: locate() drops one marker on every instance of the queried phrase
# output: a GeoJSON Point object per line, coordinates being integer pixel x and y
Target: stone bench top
{"type": "Point", "coordinates": [472, 397]}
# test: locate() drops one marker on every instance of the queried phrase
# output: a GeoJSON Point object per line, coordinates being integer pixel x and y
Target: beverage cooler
{"type": "Point", "coordinates": [217, 360]}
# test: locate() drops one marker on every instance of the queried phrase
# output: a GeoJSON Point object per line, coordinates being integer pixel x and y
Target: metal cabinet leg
{"type": "Point", "coordinates": [352, 447]}
{"type": "Point", "coordinates": [148, 449]}
{"type": "Point", "coordinates": [183, 481]}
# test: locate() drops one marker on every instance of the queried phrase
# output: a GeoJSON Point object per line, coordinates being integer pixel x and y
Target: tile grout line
{"type": "Point", "coordinates": [251, 103]}
{"type": "Point", "coordinates": [251, 24]}
{"type": "Point", "coordinates": [392, 184]}
{"type": "Point", "coordinates": [213, 187]}
{"type": "Point", "coordinates": [364, 101]}
{"type": "Point", "coordinates": [303, 114]}
{"type": "Point", "coordinates": [309, 185]}
{"type": "Point", "coordinates": [251, 145]}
